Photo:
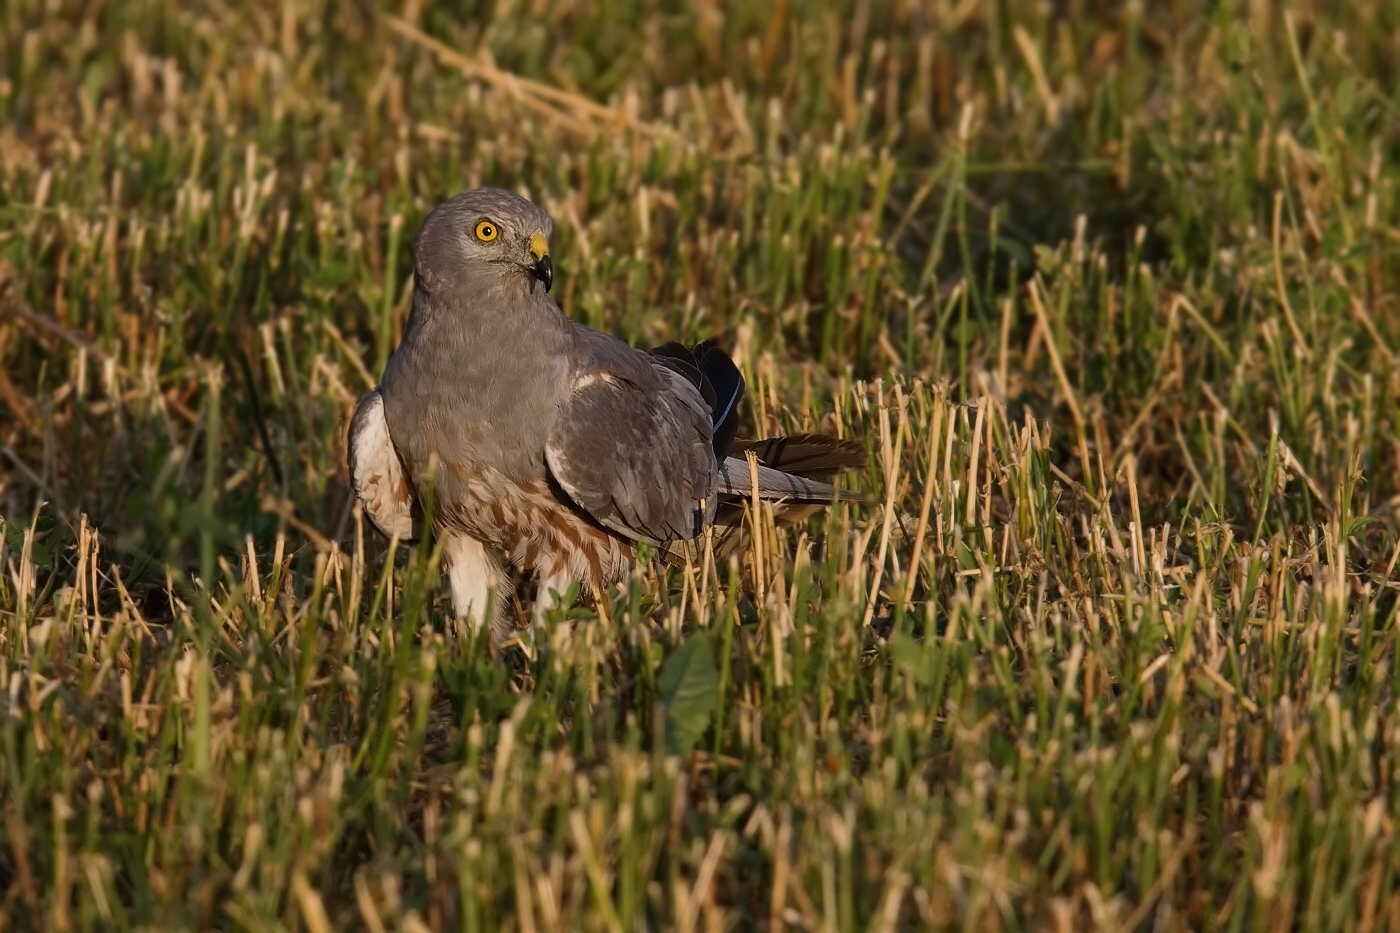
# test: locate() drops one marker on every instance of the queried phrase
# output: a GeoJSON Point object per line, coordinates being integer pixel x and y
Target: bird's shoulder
{"type": "Point", "coordinates": [596, 354]}
{"type": "Point", "coordinates": [594, 351]}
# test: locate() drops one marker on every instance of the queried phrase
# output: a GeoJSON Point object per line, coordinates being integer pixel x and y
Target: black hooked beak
{"type": "Point", "coordinates": [542, 268]}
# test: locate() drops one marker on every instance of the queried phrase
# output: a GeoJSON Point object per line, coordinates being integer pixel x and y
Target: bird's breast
{"type": "Point", "coordinates": [468, 408]}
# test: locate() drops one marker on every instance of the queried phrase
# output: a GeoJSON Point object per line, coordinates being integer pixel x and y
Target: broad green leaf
{"type": "Point", "coordinates": [689, 686]}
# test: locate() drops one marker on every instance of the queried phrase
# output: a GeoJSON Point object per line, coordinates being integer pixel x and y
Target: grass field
{"type": "Point", "coordinates": [1108, 290]}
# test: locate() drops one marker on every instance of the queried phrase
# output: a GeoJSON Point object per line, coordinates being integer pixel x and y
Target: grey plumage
{"type": "Point", "coordinates": [550, 448]}
{"type": "Point", "coordinates": [737, 480]}
{"type": "Point", "coordinates": [606, 451]}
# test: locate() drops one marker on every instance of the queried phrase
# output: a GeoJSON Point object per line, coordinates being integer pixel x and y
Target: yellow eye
{"type": "Point", "coordinates": [486, 231]}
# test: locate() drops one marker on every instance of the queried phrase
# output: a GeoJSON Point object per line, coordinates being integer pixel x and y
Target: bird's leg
{"type": "Point", "coordinates": [480, 587]}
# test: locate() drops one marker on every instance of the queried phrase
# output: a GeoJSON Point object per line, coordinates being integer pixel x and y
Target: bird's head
{"type": "Point", "coordinates": [483, 235]}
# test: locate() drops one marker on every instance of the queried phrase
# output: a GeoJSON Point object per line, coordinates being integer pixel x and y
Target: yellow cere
{"type": "Point", "coordinates": [539, 246]}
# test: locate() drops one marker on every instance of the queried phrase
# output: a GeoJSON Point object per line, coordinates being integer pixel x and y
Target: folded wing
{"type": "Point", "coordinates": [632, 446]}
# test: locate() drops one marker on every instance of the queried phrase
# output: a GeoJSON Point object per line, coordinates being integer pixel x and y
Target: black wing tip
{"type": "Point", "coordinates": [719, 380]}
{"type": "Point", "coordinates": [728, 386]}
